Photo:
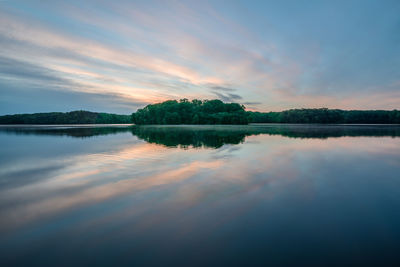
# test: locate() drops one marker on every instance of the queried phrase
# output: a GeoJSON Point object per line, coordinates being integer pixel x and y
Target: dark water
{"type": "Point", "coordinates": [200, 195]}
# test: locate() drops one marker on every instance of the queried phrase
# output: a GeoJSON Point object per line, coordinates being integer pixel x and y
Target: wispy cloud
{"type": "Point", "coordinates": [221, 88]}
{"type": "Point", "coordinates": [228, 97]}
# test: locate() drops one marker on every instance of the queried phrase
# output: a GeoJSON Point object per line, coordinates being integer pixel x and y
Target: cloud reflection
{"type": "Point", "coordinates": [78, 184]}
{"type": "Point", "coordinates": [190, 178]}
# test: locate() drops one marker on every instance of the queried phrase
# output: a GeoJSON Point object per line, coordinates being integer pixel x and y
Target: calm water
{"type": "Point", "coordinates": [200, 195]}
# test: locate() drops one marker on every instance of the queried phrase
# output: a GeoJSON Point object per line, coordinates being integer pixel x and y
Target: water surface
{"type": "Point", "coordinates": [200, 195]}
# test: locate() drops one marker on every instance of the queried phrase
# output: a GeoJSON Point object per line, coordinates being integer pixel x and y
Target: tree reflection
{"type": "Point", "coordinates": [209, 136]}
{"type": "Point", "coordinates": [77, 131]}
{"type": "Point", "coordinates": [186, 137]}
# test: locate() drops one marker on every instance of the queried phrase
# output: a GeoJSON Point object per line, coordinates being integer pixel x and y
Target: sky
{"type": "Point", "coordinates": [118, 56]}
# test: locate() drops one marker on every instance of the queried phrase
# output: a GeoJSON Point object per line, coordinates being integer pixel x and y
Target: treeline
{"type": "Point", "coordinates": [324, 115]}
{"type": "Point", "coordinates": [191, 112]}
{"type": "Point", "coordinates": [207, 112]}
{"type": "Point", "coordinates": [74, 117]}
{"type": "Point", "coordinates": [217, 112]}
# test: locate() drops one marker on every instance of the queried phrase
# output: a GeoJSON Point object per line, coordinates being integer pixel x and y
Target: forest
{"type": "Point", "coordinates": [73, 117]}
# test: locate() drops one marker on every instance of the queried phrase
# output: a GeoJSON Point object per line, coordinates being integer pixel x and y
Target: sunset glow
{"type": "Point", "coordinates": [120, 56]}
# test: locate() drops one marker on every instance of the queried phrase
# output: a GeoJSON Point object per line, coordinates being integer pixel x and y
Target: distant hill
{"type": "Point", "coordinates": [324, 115]}
{"type": "Point", "coordinates": [73, 117]}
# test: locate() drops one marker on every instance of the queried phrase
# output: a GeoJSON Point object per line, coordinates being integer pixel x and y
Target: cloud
{"type": "Point", "coordinates": [19, 70]}
{"type": "Point", "coordinates": [251, 103]}
{"type": "Point", "coordinates": [224, 93]}
{"type": "Point", "coordinates": [228, 97]}
{"type": "Point", "coordinates": [178, 57]}
{"type": "Point", "coordinates": [221, 88]}
{"type": "Point", "coordinates": [23, 82]}
{"type": "Point", "coordinates": [15, 98]}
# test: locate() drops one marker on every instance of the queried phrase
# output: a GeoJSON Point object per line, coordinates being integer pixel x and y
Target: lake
{"type": "Point", "coordinates": [200, 195]}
